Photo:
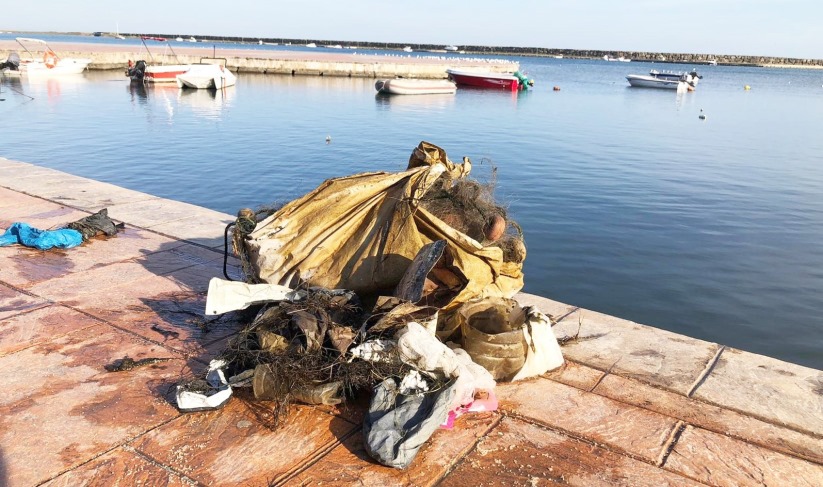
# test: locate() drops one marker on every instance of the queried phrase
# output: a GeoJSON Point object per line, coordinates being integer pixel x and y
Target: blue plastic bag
{"type": "Point", "coordinates": [24, 234]}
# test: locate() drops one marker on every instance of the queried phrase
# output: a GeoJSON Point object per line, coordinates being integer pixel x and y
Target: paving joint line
{"type": "Point", "coordinates": [706, 371]}
{"type": "Point", "coordinates": [315, 457]}
{"type": "Point", "coordinates": [468, 451]}
{"type": "Point", "coordinates": [671, 442]}
{"type": "Point", "coordinates": [105, 452]}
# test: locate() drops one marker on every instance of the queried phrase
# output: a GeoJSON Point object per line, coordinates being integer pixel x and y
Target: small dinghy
{"type": "Point", "coordinates": [406, 86]}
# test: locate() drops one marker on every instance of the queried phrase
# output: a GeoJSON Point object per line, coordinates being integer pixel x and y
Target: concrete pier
{"type": "Point", "coordinates": [417, 65]}
{"type": "Point", "coordinates": [634, 405]}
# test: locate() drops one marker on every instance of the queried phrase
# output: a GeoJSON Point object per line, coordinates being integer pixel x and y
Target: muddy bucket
{"type": "Point", "coordinates": [493, 336]}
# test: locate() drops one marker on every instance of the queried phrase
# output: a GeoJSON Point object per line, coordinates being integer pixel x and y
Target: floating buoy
{"type": "Point", "coordinates": [328, 139]}
{"type": "Point", "coordinates": [702, 115]}
{"type": "Point", "coordinates": [556, 88]}
{"type": "Point", "coordinates": [495, 228]}
{"type": "Point", "coordinates": [747, 87]}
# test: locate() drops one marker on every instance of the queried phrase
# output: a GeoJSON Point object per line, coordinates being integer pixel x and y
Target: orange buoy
{"type": "Point", "coordinates": [50, 59]}
{"type": "Point", "coordinates": [495, 228]}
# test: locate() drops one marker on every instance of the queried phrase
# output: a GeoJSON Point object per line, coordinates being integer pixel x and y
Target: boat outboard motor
{"type": "Point", "coordinates": [138, 71]}
{"type": "Point", "coordinates": [12, 63]}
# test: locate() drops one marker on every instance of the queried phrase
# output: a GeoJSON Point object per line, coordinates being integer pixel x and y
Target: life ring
{"type": "Point", "coordinates": [50, 59]}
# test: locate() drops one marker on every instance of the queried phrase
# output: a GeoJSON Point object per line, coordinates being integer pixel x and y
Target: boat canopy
{"type": "Point", "coordinates": [30, 39]}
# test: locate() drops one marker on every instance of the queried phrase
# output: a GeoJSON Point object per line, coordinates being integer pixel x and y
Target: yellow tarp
{"type": "Point", "coordinates": [361, 232]}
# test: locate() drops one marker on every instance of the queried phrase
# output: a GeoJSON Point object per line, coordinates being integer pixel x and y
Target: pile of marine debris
{"type": "Point", "coordinates": [400, 284]}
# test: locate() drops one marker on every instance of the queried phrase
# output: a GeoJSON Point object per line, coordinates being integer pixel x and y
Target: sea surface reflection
{"type": "Point", "coordinates": [630, 204]}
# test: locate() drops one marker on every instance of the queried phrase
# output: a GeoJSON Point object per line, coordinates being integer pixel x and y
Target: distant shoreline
{"type": "Point", "coordinates": [640, 56]}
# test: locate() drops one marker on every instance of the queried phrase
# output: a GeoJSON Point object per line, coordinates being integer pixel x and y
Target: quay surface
{"type": "Point", "coordinates": [317, 63]}
{"type": "Point", "coordinates": [634, 405]}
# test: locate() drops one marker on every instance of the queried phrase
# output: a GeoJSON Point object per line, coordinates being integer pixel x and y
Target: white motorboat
{"type": "Point", "coordinates": [690, 77]}
{"type": "Point", "coordinates": [311, 44]}
{"type": "Point", "coordinates": [149, 71]}
{"type": "Point", "coordinates": [49, 63]}
{"type": "Point", "coordinates": [643, 81]}
{"type": "Point", "coordinates": [408, 86]}
{"type": "Point", "coordinates": [451, 48]}
{"type": "Point", "coordinates": [206, 75]}
{"type": "Point", "coordinates": [620, 59]}
{"type": "Point", "coordinates": [407, 49]}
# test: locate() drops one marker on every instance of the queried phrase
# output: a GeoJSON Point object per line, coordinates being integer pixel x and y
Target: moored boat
{"type": "Point", "coordinates": [205, 75]}
{"type": "Point", "coordinates": [407, 86]}
{"type": "Point", "coordinates": [149, 72]}
{"type": "Point", "coordinates": [50, 63]}
{"type": "Point", "coordinates": [643, 81]}
{"type": "Point", "coordinates": [690, 77]}
{"type": "Point", "coordinates": [506, 81]}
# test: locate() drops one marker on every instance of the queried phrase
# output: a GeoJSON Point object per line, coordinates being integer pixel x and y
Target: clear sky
{"type": "Point", "coordinates": [783, 28]}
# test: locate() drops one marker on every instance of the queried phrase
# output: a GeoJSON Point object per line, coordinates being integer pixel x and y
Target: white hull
{"type": "Point", "coordinates": [652, 82]}
{"type": "Point", "coordinates": [206, 76]}
{"type": "Point", "coordinates": [62, 66]}
{"type": "Point", "coordinates": [402, 86]}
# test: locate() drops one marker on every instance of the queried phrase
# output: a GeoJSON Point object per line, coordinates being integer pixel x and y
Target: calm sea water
{"type": "Point", "coordinates": [631, 205]}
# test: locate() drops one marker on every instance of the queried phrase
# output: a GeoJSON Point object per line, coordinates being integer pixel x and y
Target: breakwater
{"type": "Point", "coordinates": [658, 57]}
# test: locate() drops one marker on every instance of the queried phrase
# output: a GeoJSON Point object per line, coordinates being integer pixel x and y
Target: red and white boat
{"type": "Point", "coordinates": [149, 72]}
{"type": "Point", "coordinates": [505, 81]}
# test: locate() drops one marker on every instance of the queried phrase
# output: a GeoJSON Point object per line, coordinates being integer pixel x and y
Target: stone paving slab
{"type": "Point", "coordinates": [576, 375]}
{"type": "Point", "coordinates": [121, 467]}
{"type": "Point", "coordinates": [41, 325]}
{"type": "Point", "coordinates": [25, 267]}
{"type": "Point", "coordinates": [165, 312]}
{"type": "Point", "coordinates": [40, 214]}
{"type": "Point", "coordinates": [785, 394]}
{"type": "Point", "coordinates": [519, 453]}
{"type": "Point", "coordinates": [75, 191]}
{"type": "Point", "coordinates": [15, 199]}
{"type": "Point", "coordinates": [635, 431]}
{"type": "Point", "coordinates": [230, 446]}
{"type": "Point", "coordinates": [60, 407]}
{"type": "Point", "coordinates": [651, 355]}
{"type": "Point", "coordinates": [719, 460]}
{"type": "Point", "coordinates": [711, 417]}
{"type": "Point", "coordinates": [14, 302]}
{"type": "Point", "coordinates": [349, 464]}
{"type": "Point", "coordinates": [205, 228]}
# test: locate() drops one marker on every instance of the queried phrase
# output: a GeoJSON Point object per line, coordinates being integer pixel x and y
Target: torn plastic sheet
{"type": "Point", "coordinates": [413, 383]}
{"type": "Point", "coordinates": [224, 296]}
{"type": "Point", "coordinates": [374, 350]}
{"type": "Point", "coordinates": [215, 395]}
{"type": "Point", "coordinates": [543, 353]}
{"type": "Point", "coordinates": [484, 401]}
{"type": "Point", "coordinates": [397, 425]}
